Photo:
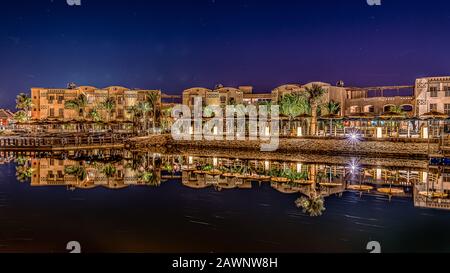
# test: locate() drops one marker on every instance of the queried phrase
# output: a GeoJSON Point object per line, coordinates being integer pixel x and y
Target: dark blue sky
{"type": "Point", "coordinates": [172, 45]}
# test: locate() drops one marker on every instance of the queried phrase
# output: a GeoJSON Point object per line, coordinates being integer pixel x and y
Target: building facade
{"type": "Point", "coordinates": [6, 118]}
{"type": "Point", "coordinates": [432, 94]}
{"type": "Point", "coordinates": [222, 96]}
{"type": "Point", "coordinates": [50, 103]}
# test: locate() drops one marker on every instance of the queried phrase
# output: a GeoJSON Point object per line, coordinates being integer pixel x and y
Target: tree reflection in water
{"type": "Point", "coordinates": [24, 171]}
{"type": "Point", "coordinates": [312, 182]}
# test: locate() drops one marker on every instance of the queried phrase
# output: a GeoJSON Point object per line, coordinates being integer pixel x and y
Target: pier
{"type": "Point", "coordinates": [59, 142]}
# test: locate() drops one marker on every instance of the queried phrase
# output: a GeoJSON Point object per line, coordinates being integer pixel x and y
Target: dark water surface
{"type": "Point", "coordinates": [176, 218]}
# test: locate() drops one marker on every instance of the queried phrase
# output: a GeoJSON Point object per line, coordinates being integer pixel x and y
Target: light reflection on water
{"type": "Point", "coordinates": [150, 202]}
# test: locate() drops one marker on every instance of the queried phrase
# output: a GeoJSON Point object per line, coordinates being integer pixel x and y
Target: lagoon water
{"type": "Point", "coordinates": [174, 217]}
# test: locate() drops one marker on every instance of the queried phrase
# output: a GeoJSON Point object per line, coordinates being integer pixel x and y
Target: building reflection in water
{"type": "Point", "coordinates": [311, 181]}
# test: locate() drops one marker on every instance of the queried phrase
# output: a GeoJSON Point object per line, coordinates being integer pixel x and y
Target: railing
{"type": "Point", "coordinates": [63, 141]}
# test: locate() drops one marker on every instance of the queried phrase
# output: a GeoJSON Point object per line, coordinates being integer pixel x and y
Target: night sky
{"type": "Point", "coordinates": [172, 45]}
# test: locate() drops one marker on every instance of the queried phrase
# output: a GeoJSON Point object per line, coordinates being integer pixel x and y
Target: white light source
{"type": "Point", "coordinates": [424, 177]}
{"type": "Point", "coordinates": [191, 130]}
{"type": "Point", "coordinates": [215, 161]}
{"type": "Point", "coordinates": [353, 166]}
{"type": "Point", "coordinates": [266, 165]}
{"type": "Point", "coordinates": [299, 167]}
{"type": "Point", "coordinates": [379, 132]}
{"type": "Point", "coordinates": [191, 160]}
{"type": "Point", "coordinates": [299, 131]}
{"type": "Point", "coordinates": [215, 130]}
{"type": "Point", "coordinates": [378, 174]}
{"type": "Point", "coordinates": [353, 137]}
{"type": "Point", "coordinates": [425, 132]}
{"type": "Point", "coordinates": [267, 131]}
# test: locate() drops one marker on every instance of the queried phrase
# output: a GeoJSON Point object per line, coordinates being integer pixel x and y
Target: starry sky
{"type": "Point", "coordinates": [177, 44]}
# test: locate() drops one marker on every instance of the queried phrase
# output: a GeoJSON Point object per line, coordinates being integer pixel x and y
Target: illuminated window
{"type": "Point", "coordinates": [447, 108]}
{"type": "Point", "coordinates": [433, 91]}
{"type": "Point", "coordinates": [433, 107]}
{"type": "Point", "coordinates": [447, 90]}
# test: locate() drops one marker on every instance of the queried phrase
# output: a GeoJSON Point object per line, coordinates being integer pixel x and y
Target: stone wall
{"type": "Point", "coordinates": [307, 145]}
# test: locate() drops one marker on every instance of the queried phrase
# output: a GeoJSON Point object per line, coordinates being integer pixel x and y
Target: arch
{"type": "Point", "coordinates": [321, 84]}
{"type": "Point", "coordinates": [116, 89]}
{"type": "Point", "coordinates": [289, 88]}
{"type": "Point", "coordinates": [369, 108]}
{"type": "Point", "coordinates": [407, 107]}
{"type": "Point", "coordinates": [387, 107]}
{"type": "Point", "coordinates": [196, 91]}
{"type": "Point", "coordinates": [86, 88]}
{"type": "Point", "coordinates": [227, 89]}
{"type": "Point", "coordinates": [355, 109]}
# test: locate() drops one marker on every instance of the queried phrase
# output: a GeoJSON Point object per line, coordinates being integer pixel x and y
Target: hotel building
{"type": "Point", "coordinates": [432, 94]}
{"type": "Point", "coordinates": [221, 96]}
{"type": "Point", "coordinates": [49, 103]}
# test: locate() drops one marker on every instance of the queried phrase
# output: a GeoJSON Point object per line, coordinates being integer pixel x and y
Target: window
{"type": "Point", "coordinates": [433, 107]}
{"type": "Point", "coordinates": [51, 99]}
{"type": "Point", "coordinates": [119, 100]}
{"type": "Point", "coordinates": [60, 99]}
{"type": "Point", "coordinates": [433, 91]}
{"type": "Point", "coordinates": [52, 112]}
{"type": "Point", "coordinates": [61, 113]}
{"type": "Point", "coordinates": [447, 90]}
{"type": "Point", "coordinates": [223, 99]}
{"type": "Point", "coordinates": [120, 113]}
{"type": "Point", "coordinates": [446, 177]}
{"type": "Point", "coordinates": [447, 108]}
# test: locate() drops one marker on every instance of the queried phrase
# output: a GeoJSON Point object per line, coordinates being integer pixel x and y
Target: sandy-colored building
{"type": "Point", "coordinates": [49, 103]}
{"type": "Point", "coordinates": [221, 96]}
{"type": "Point", "coordinates": [433, 94]}
{"type": "Point", "coordinates": [6, 118]}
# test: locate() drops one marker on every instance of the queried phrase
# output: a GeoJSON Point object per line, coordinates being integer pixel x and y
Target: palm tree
{"type": "Point", "coordinates": [153, 99]}
{"type": "Point", "coordinates": [95, 115]}
{"type": "Point", "coordinates": [109, 171]}
{"type": "Point", "coordinates": [78, 104]}
{"type": "Point", "coordinates": [24, 103]}
{"type": "Point", "coordinates": [332, 109]}
{"type": "Point", "coordinates": [136, 113]}
{"type": "Point", "coordinates": [293, 105]}
{"type": "Point", "coordinates": [313, 206]}
{"type": "Point", "coordinates": [397, 109]}
{"type": "Point", "coordinates": [150, 178]}
{"type": "Point", "coordinates": [315, 93]}
{"type": "Point", "coordinates": [110, 106]}
{"type": "Point", "coordinates": [21, 116]}
{"type": "Point", "coordinates": [78, 171]}
{"type": "Point", "coordinates": [144, 108]}
{"type": "Point", "coordinates": [24, 171]}
{"type": "Point", "coordinates": [268, 105]}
